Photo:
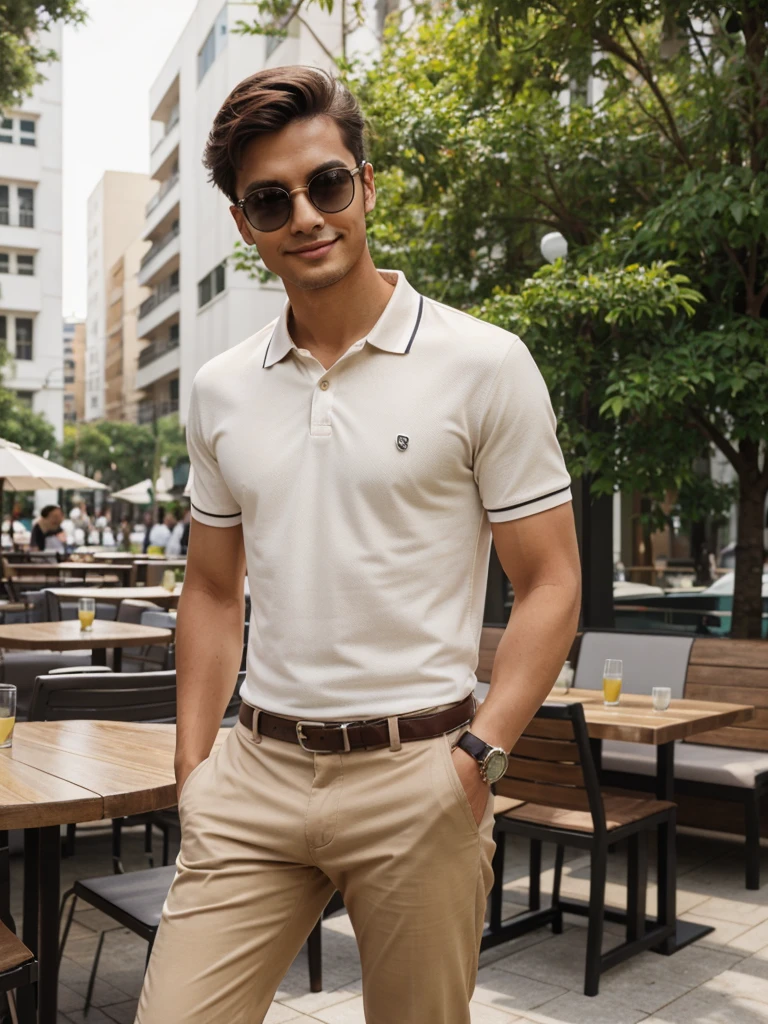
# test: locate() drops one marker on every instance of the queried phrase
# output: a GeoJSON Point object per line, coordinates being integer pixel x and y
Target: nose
{"type": "Point", "coordinates": [305, 218]}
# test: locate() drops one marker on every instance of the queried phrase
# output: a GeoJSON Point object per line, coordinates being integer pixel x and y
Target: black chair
{"type": "Point", "coordinates": [551, 793]}
{"type": "Point", "coordinates": [18, 973]}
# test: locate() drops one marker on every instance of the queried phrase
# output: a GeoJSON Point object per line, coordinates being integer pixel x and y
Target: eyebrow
{"type": "Point", "coordinates": [274, 183]}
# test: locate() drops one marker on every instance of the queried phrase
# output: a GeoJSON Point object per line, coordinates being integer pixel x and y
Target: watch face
{"type": "Point", "coordinates": [496, 765]}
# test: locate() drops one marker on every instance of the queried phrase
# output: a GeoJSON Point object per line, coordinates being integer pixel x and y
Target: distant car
{"type": "Point", "coordinates": [724, 586]}
{"type": "Point", "coordinates": [625, 588]}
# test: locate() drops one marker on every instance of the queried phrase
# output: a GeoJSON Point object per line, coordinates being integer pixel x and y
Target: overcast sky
{"type": "Point", "coordinates": [108, 66]}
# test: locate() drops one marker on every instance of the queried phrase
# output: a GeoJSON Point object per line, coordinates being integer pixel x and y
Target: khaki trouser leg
{"type": "Point", "coordinates": [270, 830]}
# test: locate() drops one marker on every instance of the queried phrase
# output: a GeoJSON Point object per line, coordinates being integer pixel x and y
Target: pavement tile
{"type": "Point", "coordinates": [707, 1006]}
{"type": "Point", "coordinates": [511, 993]}
{"type": "Point", "coordinates": [575, 1008]}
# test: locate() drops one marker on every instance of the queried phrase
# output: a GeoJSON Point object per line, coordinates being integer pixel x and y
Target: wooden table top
{"type": "Point", "coordinates": [635, 721]}
{"type": "Point", "coordinates": [54, 567]}
{"type": "Point", "coordinates": [61, 772]}
{"type": "Point", "coordinates": [158, 595]}
{"type": "Point", "coordinates": [67, 635]}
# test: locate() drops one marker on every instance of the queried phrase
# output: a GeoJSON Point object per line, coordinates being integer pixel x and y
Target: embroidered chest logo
{"type": "Point", "coordinates": [402, 441]}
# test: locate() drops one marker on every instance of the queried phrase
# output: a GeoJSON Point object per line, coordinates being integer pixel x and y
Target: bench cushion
{"type": "Point", "coordinates": [722, 766]}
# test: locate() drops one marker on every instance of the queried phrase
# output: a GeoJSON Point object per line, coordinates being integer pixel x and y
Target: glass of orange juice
{"type": "Point", "coordinates": [86, 612]}
{"type": "Point", "coordinates": [613, 671]}
{"type": "Point", "coordinates": [7, 714]}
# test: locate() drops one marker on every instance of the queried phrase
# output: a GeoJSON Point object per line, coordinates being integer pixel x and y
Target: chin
{"type": "Point", "coordinates": [315, 278]}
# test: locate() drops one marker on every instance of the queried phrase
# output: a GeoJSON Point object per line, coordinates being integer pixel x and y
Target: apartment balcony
{"type": "Point", "coordinates": [159, 307]}
{"type": "Point", "coordinates": [162, 203]}
{"type": "Point", "coordinates": [20, 293]}
{"type": "Point", "coordinates": [159, 359]}
{"type": "Point", "coordinates": [17, 231]}
{"type": "Point", "coordinates": [165, 146]}
{"type": "Point", "coordinates": [159, 256]}
{"type": "Point", "coordinates": [148, 411]}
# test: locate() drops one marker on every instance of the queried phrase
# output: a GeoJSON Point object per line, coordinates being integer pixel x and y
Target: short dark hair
{"type": "Point", "coordinates": [47, 509]}
{"type": "Point", "coordinates": [270, 100]}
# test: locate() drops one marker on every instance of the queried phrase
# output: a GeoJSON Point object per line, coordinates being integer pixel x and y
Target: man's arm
{"type": "Point", "coordinates": [209, 640]}
{"type": "Point", "coordinates": [540, 556]}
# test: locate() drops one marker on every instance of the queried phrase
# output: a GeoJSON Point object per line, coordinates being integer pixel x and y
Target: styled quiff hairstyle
{"type": "Point", "coordinates": [270, 100]}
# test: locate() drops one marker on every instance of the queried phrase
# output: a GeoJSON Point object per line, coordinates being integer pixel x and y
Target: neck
{"type": "Point", "coordinates": [327, 321]}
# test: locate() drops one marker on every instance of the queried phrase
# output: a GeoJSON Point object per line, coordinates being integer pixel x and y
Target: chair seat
{"type": "Point", "coordinates": [502, 804]}
{"type": "Point", "coordinates": [137, 894]}
{"type": "Point", "coordinates": [695, 762]}
{"type": "Point", "coordinates": [619, 811]}
{"type": "Point", "coordinates": [13, 952]}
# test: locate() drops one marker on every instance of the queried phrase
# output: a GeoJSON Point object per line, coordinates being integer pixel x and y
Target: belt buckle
{"type": "Point", "coordinates": [323, 725]}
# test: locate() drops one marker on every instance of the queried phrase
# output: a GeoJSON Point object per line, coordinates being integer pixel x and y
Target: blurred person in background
{"type": "Point", "coordinates": [47, 534]}
{"type": "Point", "coordinates": [160, 534]}
{"type": "Point", "coordinates": [174, 547]}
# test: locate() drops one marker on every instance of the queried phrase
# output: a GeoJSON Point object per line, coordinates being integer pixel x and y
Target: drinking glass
{"type": "Point", "coordinates": [613, 672]}
{"type": "Point", "coordinates": [7, 714]}
{"type": "Point", "coordinates": [86, 612]}
{"type": "Point", "coordinates": [661, 696]}
{"type": "Point", "coordinates": [169, 580]}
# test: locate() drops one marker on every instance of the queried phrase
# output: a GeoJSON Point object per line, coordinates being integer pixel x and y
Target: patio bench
{"type": "Point", "coordinates": [726, 764]}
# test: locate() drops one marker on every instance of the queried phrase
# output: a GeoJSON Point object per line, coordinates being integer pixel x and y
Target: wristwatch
{"type": "Point", "coordinates": [492, 761]}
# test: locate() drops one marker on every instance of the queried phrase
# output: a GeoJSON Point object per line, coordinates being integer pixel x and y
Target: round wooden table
{"type": "Point", "coordinates": [67, 636]}
{"type": "Point", "coordinates": [57, 773]}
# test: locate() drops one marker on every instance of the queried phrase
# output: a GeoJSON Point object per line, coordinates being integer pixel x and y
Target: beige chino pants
{"type": "Point", "coordinates": [270, 830]}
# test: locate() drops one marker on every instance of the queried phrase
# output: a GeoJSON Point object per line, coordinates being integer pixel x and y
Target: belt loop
{"type": "Point", "coordinates": [255, 726]}
{"type": "Point", "coordinates": [394, 734]}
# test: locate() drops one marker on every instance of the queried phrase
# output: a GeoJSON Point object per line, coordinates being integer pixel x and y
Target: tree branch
{"type": "Point", "coordinates": [317, 39]}
{"type": "Point", "coordinates": [719, 439]}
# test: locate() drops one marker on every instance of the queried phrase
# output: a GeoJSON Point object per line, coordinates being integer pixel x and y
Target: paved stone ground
{"type": "Point", "coordinates": [722, 979]}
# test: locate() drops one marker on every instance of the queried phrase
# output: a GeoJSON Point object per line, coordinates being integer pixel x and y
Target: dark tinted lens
{"type": "Point", "coordinates": [332, 191]}
{"type": "Point", "coordinates": [268, 208]}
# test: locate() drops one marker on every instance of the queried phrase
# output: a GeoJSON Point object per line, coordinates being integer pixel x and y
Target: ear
{"type": "Point", "coordinates": [369, 188]}
{"type": "Point", "coordinates": [242, 225]}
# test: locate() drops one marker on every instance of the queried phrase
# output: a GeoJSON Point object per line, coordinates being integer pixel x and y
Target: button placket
{"type": "Point", "coordinates": [322, 408]}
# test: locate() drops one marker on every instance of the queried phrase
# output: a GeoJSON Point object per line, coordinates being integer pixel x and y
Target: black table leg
{"type": "Point", "coordinates": [98, 656]}
{"type": "Point", "coordinates": [117, 659]}
{"type": "Point", "coordinates": [48, 946]}
{"type": "Point", "coordinates": [31, 885]}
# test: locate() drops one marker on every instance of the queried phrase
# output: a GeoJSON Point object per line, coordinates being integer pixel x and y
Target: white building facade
{"type": "Point", "coordinates": [199, 305]}
{"type": "Point", "coordinates": [30, 245]}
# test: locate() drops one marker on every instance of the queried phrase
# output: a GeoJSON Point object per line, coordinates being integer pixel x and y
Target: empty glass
{"type": "Point", "coordinates": [7, 714]}
{"type": "Point", "coordinates": [661, 697]}
{"type": "Point", "coordinates": [613, 672]}
{"type": "Point", "coordinates": [86, 612]}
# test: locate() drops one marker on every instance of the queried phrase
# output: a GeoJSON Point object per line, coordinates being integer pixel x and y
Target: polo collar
{"type": "Point", "coordinates": [394, 331]}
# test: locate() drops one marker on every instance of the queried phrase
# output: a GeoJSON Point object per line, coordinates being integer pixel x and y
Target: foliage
{"type": "Point", "coordinates": [23, 24]}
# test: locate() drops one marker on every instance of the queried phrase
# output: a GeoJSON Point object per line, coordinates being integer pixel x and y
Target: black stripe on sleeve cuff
{"type": "Point", "coordinates": [531, 501]}
{"type": "Point", "coordinates": [215, 515]}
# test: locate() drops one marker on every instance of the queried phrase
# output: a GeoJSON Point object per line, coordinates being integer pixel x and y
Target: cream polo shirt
{"type": "Point", "coordinates": [366, 494]}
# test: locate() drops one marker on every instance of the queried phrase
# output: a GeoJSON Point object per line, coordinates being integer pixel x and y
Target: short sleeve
{"type": "Point", "coordinates": [211, 500]}
{"type": "Point", "coordinates": [519, 466]}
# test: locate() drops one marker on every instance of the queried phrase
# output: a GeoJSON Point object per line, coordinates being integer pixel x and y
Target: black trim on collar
{"type": "Point", "coordinates": [264, 364]}
{"type": "Point", "coordinates": [509, 508]}
{"type": "Point", "coordinates": [215, 515]}
{"type": "Point", "coordinates": [418, 321]}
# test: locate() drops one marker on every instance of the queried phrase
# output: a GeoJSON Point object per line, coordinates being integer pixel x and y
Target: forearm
{"type": "Point", "coordinates": [209, 644]}
{"type": "Point", "coordinates": [528, 659]}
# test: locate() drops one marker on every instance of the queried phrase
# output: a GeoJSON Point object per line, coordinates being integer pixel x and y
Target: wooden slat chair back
{"type": "Point", "coordinates": [489, 641]}
{"type": "Point", "coordinates": [551, 764]}
{"type": "Point", "coordinates": [735, 671]}
{"type": "Point", "coordinates": [124, 697]}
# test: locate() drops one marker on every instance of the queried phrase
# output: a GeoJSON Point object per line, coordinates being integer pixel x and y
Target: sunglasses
{"type": "Point", "coordinates": [331, 191]}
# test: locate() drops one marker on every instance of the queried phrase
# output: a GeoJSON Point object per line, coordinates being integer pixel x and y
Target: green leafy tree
{"type": "Point", "coordinates": [23, 25]}
{"type": "Point", "coordinates": [114, 452]}
{"type": "Point", "coordinates": [650, 363]}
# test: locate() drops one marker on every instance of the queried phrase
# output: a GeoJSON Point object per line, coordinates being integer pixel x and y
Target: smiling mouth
{"type": "Point", "coordinates": [317, 251]}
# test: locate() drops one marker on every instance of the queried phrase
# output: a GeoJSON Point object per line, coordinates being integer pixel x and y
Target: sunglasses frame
{"type": "Point", "coordinates": [352, 171]}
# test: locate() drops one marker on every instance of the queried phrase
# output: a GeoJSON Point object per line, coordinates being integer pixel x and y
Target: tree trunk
{"type": "Point", "coordinates": [747, 594]}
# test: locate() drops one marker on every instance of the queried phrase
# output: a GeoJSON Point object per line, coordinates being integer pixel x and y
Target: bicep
{"type": "Point", "coordinates": [539, 550]}
{"type": "Point", "coordinates": [216, 560]}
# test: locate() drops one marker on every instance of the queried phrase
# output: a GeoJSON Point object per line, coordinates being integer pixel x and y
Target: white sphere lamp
{"type": "Point", "coordinates": [553, 245]}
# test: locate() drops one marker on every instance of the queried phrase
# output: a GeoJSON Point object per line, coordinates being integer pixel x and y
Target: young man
{"type": "Point", "coordinates": [47, 533]}
{"type": "Point", "coordinates": [355, 455]}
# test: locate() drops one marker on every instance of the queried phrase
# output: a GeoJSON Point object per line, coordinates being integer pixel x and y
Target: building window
{"type": "Point", "coordinates": [214, 43]}
{"type": "Point", "coordinates": [23, 337]}
{"type": "Point", "coordinates": [26, 207]}
{"type": "Point", "coordinates": [173, 389]}
{"type": "Point", "coordinates": [27, 133]}
{"type": "Point", "coordinates": [4, 205]}
{"type": "Point", "coordinates": [3, 331]}
{"type": "Point", "coordinates": [211, 285]}
{"type": "Point", "coordinates": [25, 265]}
{"type": "Point", "coordinates": [5, 263]}
{"type": "Point", "coordinates": [6, 130]}
{"type": "Point", "coordinates": [25, 397]}
{"type": "Point", "coordinates": [173, 332]}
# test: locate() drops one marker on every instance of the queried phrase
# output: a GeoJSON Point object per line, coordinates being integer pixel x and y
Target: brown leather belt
{"type": "Point", "coordinates": [332, 737]}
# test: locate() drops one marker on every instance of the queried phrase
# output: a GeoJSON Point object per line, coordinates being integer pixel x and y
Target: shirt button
{"type": "Point", "coordinates": [325, 384]}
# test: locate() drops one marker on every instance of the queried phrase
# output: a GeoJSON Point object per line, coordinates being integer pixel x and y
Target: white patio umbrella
{"type": "Point", "coordinates": [23, 471]}
{"type": "Point", "coordinates": [139, 494]}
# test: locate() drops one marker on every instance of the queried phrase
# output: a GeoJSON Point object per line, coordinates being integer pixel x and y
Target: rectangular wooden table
{"type": "Point", "coordinates": [58, 773]}
{"type": "Point", "coordinates": [68, 636]}
{"type": "Point", "coordinates": [115, 595]}
{"type": "Point", "coordinates": [635, 721]}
